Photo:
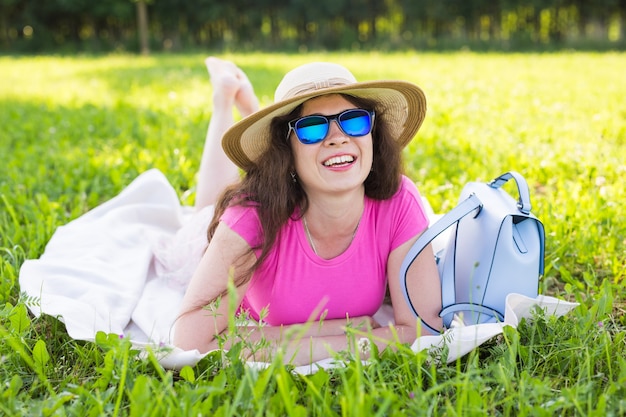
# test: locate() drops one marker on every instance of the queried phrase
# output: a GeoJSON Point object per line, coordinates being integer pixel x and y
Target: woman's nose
{"type": "Point", "coordinates": [335, 134]}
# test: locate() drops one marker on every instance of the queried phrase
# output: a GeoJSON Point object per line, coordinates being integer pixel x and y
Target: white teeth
{"type": "Point", "coordinates": [337, 160]}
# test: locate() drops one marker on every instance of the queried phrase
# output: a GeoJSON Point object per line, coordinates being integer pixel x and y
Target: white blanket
{"type": "Point", "coordinates": [100, 273]}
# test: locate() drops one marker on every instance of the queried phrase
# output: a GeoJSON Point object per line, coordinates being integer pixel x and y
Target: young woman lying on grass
{"type": "Point", "coordinates": [318, 225]}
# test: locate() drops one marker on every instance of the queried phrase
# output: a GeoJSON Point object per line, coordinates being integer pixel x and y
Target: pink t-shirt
{"type": "Point", "coordinates": [293, 282]}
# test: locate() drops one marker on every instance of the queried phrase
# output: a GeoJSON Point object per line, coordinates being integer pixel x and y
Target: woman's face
{"type": "Point", "coordinates": [338, 164]}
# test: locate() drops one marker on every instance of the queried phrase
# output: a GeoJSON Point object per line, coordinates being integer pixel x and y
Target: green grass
{"type": "Point", "coordinates": [75, 131]}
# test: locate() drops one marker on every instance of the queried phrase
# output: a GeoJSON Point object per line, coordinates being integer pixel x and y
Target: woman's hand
{"type": "Point", "coordinates": [305, 343]}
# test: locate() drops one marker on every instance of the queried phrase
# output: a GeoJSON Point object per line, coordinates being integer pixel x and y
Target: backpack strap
{"type": "Point", "coordinates": [447, 281]}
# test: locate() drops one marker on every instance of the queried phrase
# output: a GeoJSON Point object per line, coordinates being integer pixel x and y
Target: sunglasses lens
{"type": "Point", "coordinates": [355, 122]}
{"type": "Point", "coordinates": [311, 129]}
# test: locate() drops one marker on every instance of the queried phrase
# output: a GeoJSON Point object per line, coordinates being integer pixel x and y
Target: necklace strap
{"type": "Point", "coordinates": [308, 235]}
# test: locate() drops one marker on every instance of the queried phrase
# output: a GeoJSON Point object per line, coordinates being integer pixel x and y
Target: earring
{"type": "Point", "coordinates": [293, 177]}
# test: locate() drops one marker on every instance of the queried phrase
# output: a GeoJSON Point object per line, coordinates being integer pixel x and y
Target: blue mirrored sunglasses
{"type": "Point", "coordinates": [313, 129]}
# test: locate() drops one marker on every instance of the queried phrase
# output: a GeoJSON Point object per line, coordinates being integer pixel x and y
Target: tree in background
{"type": "Point", "coordinates": [142, 27]}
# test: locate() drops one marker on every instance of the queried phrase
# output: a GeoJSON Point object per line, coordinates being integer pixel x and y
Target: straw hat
{"type": "Point", "coordinates": [401, 104]}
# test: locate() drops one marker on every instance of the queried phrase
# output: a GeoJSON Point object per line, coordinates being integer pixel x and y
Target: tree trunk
{"type": "Point", "coordinates": [142, 27]}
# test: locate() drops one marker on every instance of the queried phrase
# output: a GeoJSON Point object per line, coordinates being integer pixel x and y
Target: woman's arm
{"type": "Point", "coordinates": [304, 343]}
{"type": "Point", "coordinates": [198, 324]}
{"type": "Point", "coordinates": [423, 285]}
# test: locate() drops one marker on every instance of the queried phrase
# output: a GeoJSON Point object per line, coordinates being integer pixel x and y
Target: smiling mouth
{"type": "Point", "coordinates": [339, 160]}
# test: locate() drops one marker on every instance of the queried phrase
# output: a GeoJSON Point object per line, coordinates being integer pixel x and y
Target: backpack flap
{"type": "Point", "coordinates": [517, 261]}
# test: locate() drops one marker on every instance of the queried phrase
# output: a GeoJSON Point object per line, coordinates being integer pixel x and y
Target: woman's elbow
{"type": "Point", "coordinates": [191, 336]}
{"type": "Point", "coordinates": [420, 327]}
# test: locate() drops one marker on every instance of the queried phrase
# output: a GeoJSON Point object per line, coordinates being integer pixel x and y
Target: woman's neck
{"type": "Point", "coordinates": [331, 222]}
{"type": "Point", "coordinates": [335, 209]}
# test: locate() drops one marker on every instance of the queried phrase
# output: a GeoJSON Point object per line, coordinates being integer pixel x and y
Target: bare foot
{"type": "Point", "coordinates": [245, 100]}
{"type": "Point", "coordinates": [231, 87]}
{"type": "Point", "coordinates": [224, 82]}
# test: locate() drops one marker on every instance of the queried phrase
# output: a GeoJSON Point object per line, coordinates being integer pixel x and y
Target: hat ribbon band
{"type": "Point", "coordinates": [315, 86]}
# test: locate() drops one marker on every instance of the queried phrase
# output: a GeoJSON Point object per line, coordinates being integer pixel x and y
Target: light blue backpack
{"type": "Point", "coordinates": [495, 247]}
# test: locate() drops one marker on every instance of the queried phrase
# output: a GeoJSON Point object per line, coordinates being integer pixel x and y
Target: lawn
{"type": "Point", "coordinates": [74, 131]}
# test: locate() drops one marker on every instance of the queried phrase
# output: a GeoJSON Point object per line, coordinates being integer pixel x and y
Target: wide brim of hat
{"type": "Point", "coordinates": [401, 104]}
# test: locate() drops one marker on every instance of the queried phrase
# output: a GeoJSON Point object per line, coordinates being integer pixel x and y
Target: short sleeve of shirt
{"type": "Point", "coordinates": [406, 214]}
{"type": "Point", "coordinates": [245, 222]}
